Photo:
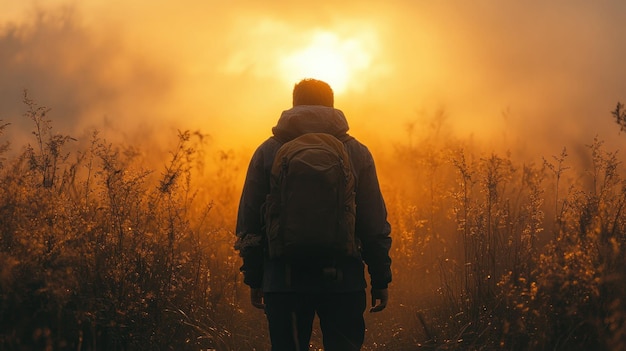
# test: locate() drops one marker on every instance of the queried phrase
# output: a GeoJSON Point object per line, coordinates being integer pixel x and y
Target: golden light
{"type": "Point", "coordinates": [329, 58]}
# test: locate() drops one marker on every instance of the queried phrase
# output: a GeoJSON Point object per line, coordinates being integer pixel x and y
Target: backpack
{"type": "Point", "coordinates": [310, 210]}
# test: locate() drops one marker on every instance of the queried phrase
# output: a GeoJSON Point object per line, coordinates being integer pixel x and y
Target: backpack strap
{"type": "Point", "coordinates": [278, 139]}
{"type": "Point", "coordinates": [344, 138]}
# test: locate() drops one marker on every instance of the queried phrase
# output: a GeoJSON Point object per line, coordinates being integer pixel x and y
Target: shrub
{"type": "Point", "coordinates": [100, 253]}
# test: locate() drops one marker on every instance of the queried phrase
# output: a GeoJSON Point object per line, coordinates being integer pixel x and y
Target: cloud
{"type": "Point", "coordinates": [534, 75]}
{"type": "Point", "coordinates": [87, 78]}
{"type": "Point", "coordinates": [552, 66]}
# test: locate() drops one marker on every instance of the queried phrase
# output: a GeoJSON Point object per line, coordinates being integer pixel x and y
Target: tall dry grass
{"type": "Point", "coordinates": [491, 253]}
{"type": "Point", "coordinates": [104, 248]}
{"type": "Point", "coordinates": [99, 252]}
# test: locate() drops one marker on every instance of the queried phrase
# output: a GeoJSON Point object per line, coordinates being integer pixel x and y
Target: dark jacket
{"type": "Point", "coordinates": [372, 228]}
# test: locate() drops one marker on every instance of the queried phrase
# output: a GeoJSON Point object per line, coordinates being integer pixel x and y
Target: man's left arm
{"type": "Point", "coordinates": [373, 228]}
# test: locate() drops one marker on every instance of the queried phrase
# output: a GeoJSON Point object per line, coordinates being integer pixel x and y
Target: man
{"type": "Point", "coordinates": [292, 293]}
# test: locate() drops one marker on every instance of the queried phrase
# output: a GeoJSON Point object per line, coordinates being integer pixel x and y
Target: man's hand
{"type": "Point", "coordinates": [381, 295]}
{"type": "Point", "coordinates": [256, 298]}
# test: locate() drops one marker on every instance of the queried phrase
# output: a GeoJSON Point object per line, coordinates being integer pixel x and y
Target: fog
{"type": "Point", "coordinates": [421, 83]}
{"type": "Point", "coordinates": [530, 77]}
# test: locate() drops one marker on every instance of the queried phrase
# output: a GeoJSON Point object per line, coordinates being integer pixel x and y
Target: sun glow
{"type": "Point", "coordinates": [329, 58]}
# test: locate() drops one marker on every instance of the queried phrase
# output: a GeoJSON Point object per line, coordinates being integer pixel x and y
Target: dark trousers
{"type": "Point", "coordinates": [290, 318]}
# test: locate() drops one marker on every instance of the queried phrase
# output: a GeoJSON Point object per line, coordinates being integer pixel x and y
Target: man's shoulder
{"type": "Point", "coordinates": [265, 152]}
{"type": "Point", "coordinates": [357, 147]}
{"type": "Point", "coordinates": [271, 144]}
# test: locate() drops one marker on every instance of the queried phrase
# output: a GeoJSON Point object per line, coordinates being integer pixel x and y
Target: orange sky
{"type": "Point", "coordinates": [227, 68]}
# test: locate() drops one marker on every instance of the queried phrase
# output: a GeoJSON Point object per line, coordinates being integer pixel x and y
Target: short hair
{"type": "Point", "coordinates": [311, 91]}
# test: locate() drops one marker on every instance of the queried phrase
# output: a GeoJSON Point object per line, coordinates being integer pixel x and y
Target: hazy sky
{"type": "Point", "coordinates": [536, 74]}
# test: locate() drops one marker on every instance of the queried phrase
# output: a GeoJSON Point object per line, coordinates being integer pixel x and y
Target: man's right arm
{"type": "Point", "coordinates": [249, 226]}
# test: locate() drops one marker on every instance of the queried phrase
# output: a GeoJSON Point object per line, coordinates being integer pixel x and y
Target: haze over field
{"type": "Point", "coordinates": [538, 75]}
{"type": "Point", "coordinates": [125, 239]}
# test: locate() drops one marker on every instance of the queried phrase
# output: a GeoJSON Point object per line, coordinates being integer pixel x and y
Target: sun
{"type": "Point", "coordinates": [329, 58]}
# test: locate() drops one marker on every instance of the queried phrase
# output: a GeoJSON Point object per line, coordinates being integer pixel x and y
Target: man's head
{"type": "Point", "coordinates": [313, 92]}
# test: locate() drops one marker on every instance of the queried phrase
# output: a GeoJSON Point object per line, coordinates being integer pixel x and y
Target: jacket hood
{"type": "Point", "coordinates": [310, 119]}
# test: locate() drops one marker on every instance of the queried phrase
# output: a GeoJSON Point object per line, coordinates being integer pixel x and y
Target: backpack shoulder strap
{"type": "Point", "coordinates": [344, 138]}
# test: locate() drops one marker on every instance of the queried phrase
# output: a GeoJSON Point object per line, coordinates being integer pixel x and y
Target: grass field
{"type": "Point", "coordinates": [108, 247]}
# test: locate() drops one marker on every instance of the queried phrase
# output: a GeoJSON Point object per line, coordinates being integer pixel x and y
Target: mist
{"type": "Point", "coordinates": [532, 77]}
{"type": "Point", "coordinates": [467, 108]}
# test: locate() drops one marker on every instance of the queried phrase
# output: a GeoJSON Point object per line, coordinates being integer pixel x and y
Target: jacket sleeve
{"type": "Point", "coordinates": [372, 227]}
{"type": "Point", "coordinates": [249, 230]}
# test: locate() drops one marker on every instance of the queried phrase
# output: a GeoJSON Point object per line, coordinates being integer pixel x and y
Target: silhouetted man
{"type": "Point", "coordinates": [292, 291]}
